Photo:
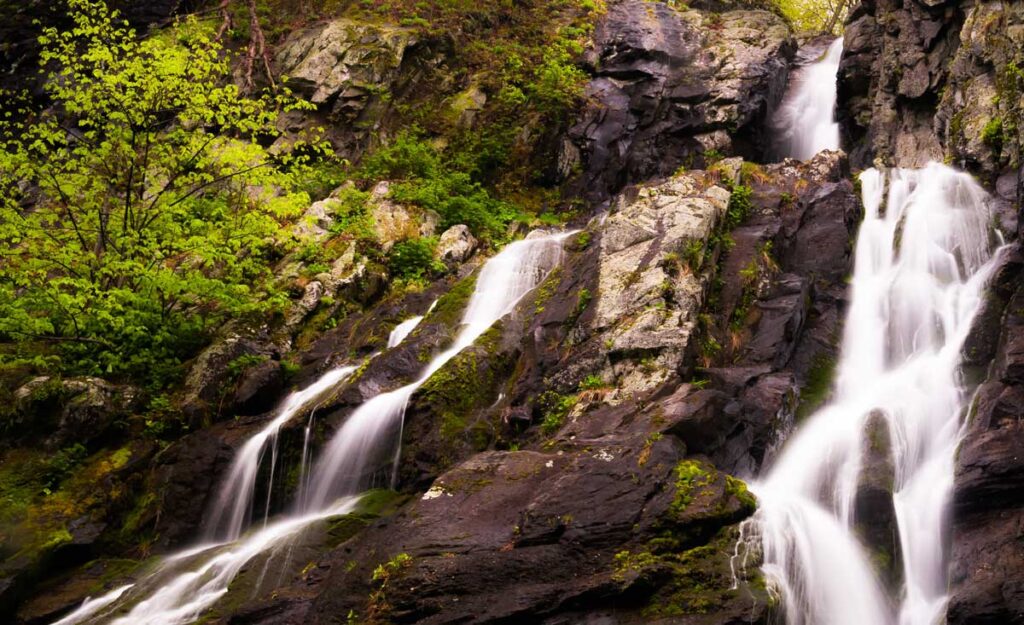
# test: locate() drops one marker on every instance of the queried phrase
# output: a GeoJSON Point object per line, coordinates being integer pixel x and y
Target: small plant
{"type": "Point", "coordinates": [712, 156]}
{"type": "Point", "coordinates": [385, 572]}
{"type": "Point", "coordinates": [992, 134]}
{"type": "Point", "coordinates": [555, 408]}
{"type": "Point", "coordinates": [592, 382]}
{"type": "Point", "coordinates": [693, 254]}
{"type": "Point", "coordinates": [240, 365]}
{"type": "Point", "coordinates": [739, 206]}
{"type": "Point", "coordinates": [583, 299]}
{"type": "Point", "coordinates": [414, 258]}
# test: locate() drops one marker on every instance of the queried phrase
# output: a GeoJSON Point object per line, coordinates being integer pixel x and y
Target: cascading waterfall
{"type": "Point", "coordinates": [362, 450]}
{"type": "Point", "coordinates": [922, 260]}
{"type": "Point", "coordinates": [233, 508]}
{"type": "Point", "coordinates": [184, 586]}
{"type": "Point", "coordinates": [404, 329]}
{"type": "Point", "coordinates": [804, 124]}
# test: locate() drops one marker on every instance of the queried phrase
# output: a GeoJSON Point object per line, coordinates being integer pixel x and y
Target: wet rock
{"type": "Point", "coordinates": [528, 535]}
{"type": "Point", "coordinates": [988, 534]}
{"type": "Point", "coordinates": [73, 410]}
{"type": "Point", "coordinates": [184, 478]}
{"type": "Point", "coordinates": [873, 510]}
{"type": "Point", "coordinates": [259, 388]}
{"type": "Point", "coordinates": [456, 245]}
{"type": "Point", "coordinates": [894, 62]}
{"type": "Point", "coordinates": [921, 81]}
{"type": "Point", "coordinates": [212, 375]}
{"type": "Point", "coordinates": [670, 84]}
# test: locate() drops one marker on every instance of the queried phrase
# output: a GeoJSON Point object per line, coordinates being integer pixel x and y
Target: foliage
{"type": "Point", "coordinates": [691, 475]}
{"type": "Point", "coordinates": [992, 134]}
{"type": "Point", "coordinates": [141, 210]}
{"type": "Point", "coordinates": [815, 16]}
{"type": "Point", "coordinates": [414, 258]}
{"type": "Point", "coordinates": [427, 180]}
{"type": "Point", "coordinates": [555, 408]}
{"type": "Point", "coordinates": [739, 206]}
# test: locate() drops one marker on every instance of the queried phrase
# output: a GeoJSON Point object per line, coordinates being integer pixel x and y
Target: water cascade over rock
{"type": "Point", "coordinates": [355, 458]}
{"type": "Point", "coordinates": [922, 261]}
{"type": "Point", "coordinates": [233, 508]}
{"type": "Point", "coordinates": [805, 121]}
{"type": "Point", "coordinates": [180, 589]}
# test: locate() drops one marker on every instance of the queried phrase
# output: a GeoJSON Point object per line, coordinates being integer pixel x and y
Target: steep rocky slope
{"type": "Point", "coordinates": [582, 462]}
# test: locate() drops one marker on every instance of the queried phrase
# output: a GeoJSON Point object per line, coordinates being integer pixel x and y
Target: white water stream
{"type": "Point", "coordinates": [233, 509]}
{"type": "Point", "coordinates": [922, 260]}
{"type": "Point", "coordinates": [361, 453]}
{"type": "Point", "coordinates": [185, 585]}
{"type": "Point", "coordinates": [805, 123]}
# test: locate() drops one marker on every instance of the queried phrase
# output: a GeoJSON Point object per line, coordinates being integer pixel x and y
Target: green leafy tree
{"type": "Point", "coordinates": [141, 209]}
{"type": "Point", "coordinates": [816, 16]}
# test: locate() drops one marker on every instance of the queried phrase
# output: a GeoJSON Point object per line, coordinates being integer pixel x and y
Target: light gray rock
{"type": "Point", "coordinates": [456, 245]}
{"type": "Point", "coordinates": [339, 63]}
{"type": "Point", "coordinates": [647, 301]}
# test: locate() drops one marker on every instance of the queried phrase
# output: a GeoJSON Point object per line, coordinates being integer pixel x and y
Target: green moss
{"type": "Point", "coordinates": [467, 383]}
{"type": "Point", "coordinates": [738, 489]}
{"type": "Point", "coordinates": [815, 392]}
{"type": "Point", "coordinates": [690, 477]}
{"type": "Point", "coordinates": [992, 134]}
{"type": "Point", "coordinates": [583, 299]}
{"type": "Point", "coordinates": [547, 289]}
{"type": "Point", "coordinates": [626, 563]}
{"type": "Point", "coordinates": [451, 306]}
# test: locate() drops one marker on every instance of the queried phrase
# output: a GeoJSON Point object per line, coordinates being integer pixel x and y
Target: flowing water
{"type": "Point", "coordinates": [924, 253]}
{"type": "Point", "coordinates": [805, 123]}
{"type": "Point", "coordinates": [363, 453]}
{"type": "Point", "coordinates": [233, 508]}
{"type": "Point", "coordinates": [185, 585]}
{"type": "Point", "coordinates": [403, 330]}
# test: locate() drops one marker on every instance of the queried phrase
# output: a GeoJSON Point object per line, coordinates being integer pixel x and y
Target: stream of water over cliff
{"type": "Point", "coordinates": [183, 586]}
{"type": "Point", "coordinates": [804, 124]}
{"type": "Point", "coordinates": [924, 253]}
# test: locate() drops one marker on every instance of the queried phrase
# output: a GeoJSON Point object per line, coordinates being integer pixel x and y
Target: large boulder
{"type": "Point", "coordinates": [670, 84]}
{"type": "Point", "coordinates": [72, 410]}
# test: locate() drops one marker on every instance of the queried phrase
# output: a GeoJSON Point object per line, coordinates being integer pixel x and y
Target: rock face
{"type": "Point", "coordinates": [456, 245]}
{"type": "Point", "coordinates": [74, 410]}
{"type": "Point", "coordinates": [350, 70]}
{"type": "Point", "coordinates": [923, 80]}
{"type": "Point", "coordinates": [671, 84]}
{"type": "Point", "coordinates": [988, 524]}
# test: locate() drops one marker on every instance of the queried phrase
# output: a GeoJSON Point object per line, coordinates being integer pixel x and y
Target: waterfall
{"type": "Point", "coordinates": [233, 507]}
{"type": "Point", "coordinates": [362, 450]}
{"type": "Point", "coordinates": [805, 123]}
{"type": "Point", "coordinates": [922, 260]}
{"type": "Point", "coordinates": [185, 585]}
{"type": "Point", "coordinates": [403, 330]}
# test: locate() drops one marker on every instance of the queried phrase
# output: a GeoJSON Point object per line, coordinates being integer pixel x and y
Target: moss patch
{"type": "Point", "coordinates": [815, 392]}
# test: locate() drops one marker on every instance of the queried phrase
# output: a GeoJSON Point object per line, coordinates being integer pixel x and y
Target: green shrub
{"type": "Point", "coordinates": [425, 180]}
{"type": "Point", "coordinates": [739, 206]}
{"type": "Point", "coordinates": [414, 258]}
{"type": "Point", "coordinates": [992, 134]}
